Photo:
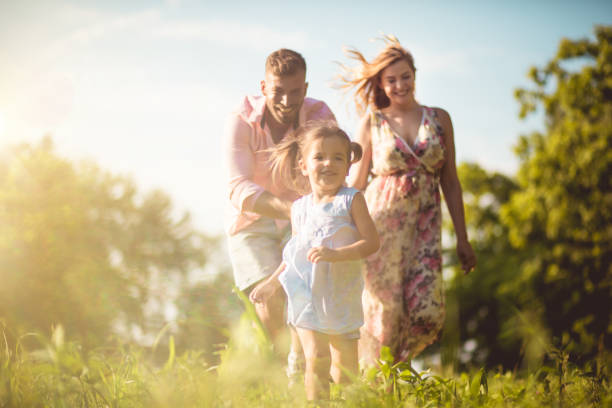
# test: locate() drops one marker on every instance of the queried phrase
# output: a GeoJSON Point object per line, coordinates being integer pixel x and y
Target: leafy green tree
{"type": "Point", "coordinates": [206, 311]}
{"type": "Point", "coordinates": [82, 248]}
{"type": "Point", "coordinates": [544, 237]}
{"type": "Point", "coordinates": [562, 213]}
{"type": "Point", "coordinates": [482, 305]}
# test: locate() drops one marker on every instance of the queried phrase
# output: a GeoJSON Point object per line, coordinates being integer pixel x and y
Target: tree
{"type": "Point", "coordinates": [82, 248]}
{"type": "Point", "coordinates": [206, 311]}
{"type": "Point", "coordinates": [563, 211]}
{"type": "Point", "coordinates": [481, 306]}
{"type": "Point", "coordinates": [544, 237]}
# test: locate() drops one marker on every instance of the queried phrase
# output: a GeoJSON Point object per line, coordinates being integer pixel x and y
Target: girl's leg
{"type": "Point", "coordinates": [343, 357]}
{"type": "Point", "coordinates": [316, 353]}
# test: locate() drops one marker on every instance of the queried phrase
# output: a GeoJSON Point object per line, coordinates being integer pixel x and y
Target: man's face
{"type": "Point", "coordinates": [284, 96]}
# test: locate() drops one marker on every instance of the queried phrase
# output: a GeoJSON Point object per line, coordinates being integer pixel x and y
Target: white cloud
{"type": "Point", "coordinates": [132, 22]}
{"type": "Point", "coordinates": [231, 33]}
{"type": "Point", "coordinates": [153, 24]}
{"type": "Point", "coordinates": [455, 61]}
{"type": "Point", "coordinates": [70, 14]}
{"type": "Point", "coordinates": [447, 62]}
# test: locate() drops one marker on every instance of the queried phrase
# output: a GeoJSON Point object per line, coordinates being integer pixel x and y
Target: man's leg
{"type": "Point", "coordinates": [295, 359]}
{"type": "Point", "coordinates": [255, 253]}
{"type": "Point", "coordinates": [271, 312]}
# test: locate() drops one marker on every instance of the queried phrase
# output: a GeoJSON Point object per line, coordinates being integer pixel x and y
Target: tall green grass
{"type": "Point", "coordinates": [60, 374]}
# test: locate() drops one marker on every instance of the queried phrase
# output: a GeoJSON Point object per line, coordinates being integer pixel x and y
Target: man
{"type": "Point", "coordinates": [257, 228]}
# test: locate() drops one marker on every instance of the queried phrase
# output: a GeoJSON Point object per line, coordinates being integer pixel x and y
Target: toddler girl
{"type": "Point", "coordinates": [320, 272]}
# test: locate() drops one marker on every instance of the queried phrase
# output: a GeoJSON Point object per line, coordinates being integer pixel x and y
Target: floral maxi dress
{"type": "Point", "coordinates": [403, 298]}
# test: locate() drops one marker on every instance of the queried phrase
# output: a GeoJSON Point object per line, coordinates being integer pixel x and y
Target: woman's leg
{"type": "Point", "coordinates": [343, 358]}
{"type": "Point", "coordinates": [316, 353]}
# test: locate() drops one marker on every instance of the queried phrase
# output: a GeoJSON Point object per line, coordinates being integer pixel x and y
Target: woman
{"type": "Point", "coordinates": [410, 151]}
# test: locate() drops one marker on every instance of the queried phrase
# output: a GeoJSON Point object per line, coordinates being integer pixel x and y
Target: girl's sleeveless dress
{"type": "Point", "coordinates": [325, 297]}
{"type": "Point", "coordinates": [403, 297]}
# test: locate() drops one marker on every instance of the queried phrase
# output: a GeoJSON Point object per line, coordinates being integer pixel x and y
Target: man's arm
{"type": "Point", "coordinates": [318, 111]}
{"type": "Point", "coordinates": [245, 194]}
{"type": "Point", "coordinates": [241, 165]}
{"type": "Point", "coordinates": [271, 206]}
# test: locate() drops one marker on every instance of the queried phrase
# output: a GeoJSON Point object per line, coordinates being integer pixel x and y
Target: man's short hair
{"type": "Point", "coordinates": [285, 62]}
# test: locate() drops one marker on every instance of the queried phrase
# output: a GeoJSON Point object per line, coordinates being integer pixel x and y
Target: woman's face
{"type": "Point", "coordinates": [397, 81]}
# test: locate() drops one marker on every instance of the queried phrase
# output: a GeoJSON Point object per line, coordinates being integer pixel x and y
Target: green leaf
{"type": "Point", "coordinates": [475, 383]}
{"type": "Point", "coordinates": [386, 355]}
{"type": "Point", "coordinates": [171, 354]}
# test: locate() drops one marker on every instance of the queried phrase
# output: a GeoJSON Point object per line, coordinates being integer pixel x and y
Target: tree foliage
{"type": "Point", "coordinates": [544, 237]}
{"type": "Point", "coordinates": [83, 248]}
{"type": "Point", "coordinates": [563, 210]}
{"type": "Point", "coordinates": [485, 300]}
{"type": "Point", "coordinates": [207, 311]}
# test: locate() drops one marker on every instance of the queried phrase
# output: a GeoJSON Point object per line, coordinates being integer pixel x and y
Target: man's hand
{"type": "Point", "coordinates": [271, 206]}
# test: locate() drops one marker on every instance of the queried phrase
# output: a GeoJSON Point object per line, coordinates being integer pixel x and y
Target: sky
{"type": "Point", "coordinates": [144, 88]}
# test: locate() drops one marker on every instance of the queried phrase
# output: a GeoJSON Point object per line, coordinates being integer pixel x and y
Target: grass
{"type": "Point", "coordinates": [60, 374]}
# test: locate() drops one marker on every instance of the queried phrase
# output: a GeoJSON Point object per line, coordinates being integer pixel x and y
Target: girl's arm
{"type": "Point", "coordinates": [451, 187]}
{"type": "Point", "coordinates": [358, 176]}
{"type": "Point", "coordinates": [266, 288]}
{"type": "Point", "coordinates": [365, 246]}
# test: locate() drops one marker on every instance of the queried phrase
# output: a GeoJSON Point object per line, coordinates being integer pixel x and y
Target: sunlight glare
{"type": "Point", "coordinates": [1, 124]}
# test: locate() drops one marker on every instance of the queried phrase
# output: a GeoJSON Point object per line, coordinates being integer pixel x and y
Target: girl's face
{"type": "Point", "coordinates": [397, 81]}
{"type": "Point", "coordinates": [325, 162]}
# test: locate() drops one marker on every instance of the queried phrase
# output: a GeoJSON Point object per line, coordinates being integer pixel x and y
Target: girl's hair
{"type": "Point", "coordinates": [286, 155]}
{"type": "Point", "coordinates": [365, 79]}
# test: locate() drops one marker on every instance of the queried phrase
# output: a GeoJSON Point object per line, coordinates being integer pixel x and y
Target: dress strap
{"type": "Point", "coordinates": [375, 119]}
{"type": "Point", "coordinates": [347, 194]}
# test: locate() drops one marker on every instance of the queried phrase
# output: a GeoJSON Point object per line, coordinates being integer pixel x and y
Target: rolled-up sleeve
{"type": "Point", "coordinates": [241, 165]}
{"type": "Point", "coordinates": [320, 111]}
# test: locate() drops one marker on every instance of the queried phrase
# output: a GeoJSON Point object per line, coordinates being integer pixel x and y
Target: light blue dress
{"type": "Point", "coordinates": [325, 297]}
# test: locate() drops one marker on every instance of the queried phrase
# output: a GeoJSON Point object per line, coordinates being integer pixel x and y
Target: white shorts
{"type": "Point", "coordinates": [256, 251]}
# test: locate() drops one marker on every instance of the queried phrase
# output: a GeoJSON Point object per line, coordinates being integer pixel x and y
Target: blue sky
{"type": "Point", "coordinates": [144, 88]}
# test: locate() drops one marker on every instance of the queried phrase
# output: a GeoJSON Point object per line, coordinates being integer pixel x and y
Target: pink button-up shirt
{"type": "Point", "coordinates": [249, 169]}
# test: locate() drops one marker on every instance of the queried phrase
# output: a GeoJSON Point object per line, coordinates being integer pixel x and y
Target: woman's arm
{"type": "Point", "coordinates": [358, 176]}
{"type": "Point", "coordinates": [451, 187]}
{"type": "Point", "coordinates": [365, 246]}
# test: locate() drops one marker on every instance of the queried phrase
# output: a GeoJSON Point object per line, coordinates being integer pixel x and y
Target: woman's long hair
{"type": "Point", "coordinates": [365, 79]}
{"type": "Point", "coordinates": [286, 155]}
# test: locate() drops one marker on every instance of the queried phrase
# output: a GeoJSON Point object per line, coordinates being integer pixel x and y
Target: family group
{"type": "Point", "coordinates": [336, 240]}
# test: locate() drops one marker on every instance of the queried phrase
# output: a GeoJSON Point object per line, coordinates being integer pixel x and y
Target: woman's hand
{"type": "Point", "coordinates": [466, 256]}
{"type": "Point", "coordinates": [321, 253]}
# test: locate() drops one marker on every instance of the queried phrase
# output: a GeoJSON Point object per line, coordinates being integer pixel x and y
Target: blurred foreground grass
{"type": "Point", "coordinates": [60, 374]}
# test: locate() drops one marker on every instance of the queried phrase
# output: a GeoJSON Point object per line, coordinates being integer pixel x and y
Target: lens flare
{"type": "Point", "coordinates": [1, 124]}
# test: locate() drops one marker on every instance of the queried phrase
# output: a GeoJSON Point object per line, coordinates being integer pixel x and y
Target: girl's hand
{"type": "Point", "coordinates": [321, 253]}
{"type": "Point", "coordinates": [262, 292]}
{"type": "Point", "coordinates": [466, 256]}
